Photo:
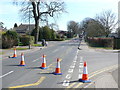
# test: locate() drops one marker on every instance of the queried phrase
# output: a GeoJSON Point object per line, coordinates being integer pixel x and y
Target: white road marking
{"type": "Point", "coordinates": [74, 61]}
{"type": "Point", "coordinates": [70, 70]}
{"type": "Point", "coordinates": [75, 58]}
{"type": "Point", "coordinates": [55, 50]}
{"type": "Point", "coordinates": [68, 76]}
{"type": "Point", "coordinates": [81, 59]}
{"type": "Point", "coordinates": [36, 59]}
{"type": "Point", "coordinates": [6, 74]}
{"type": "Point", "coordinates": [65, 83]}
{"type": "Point", "coordinates": [81, 66]}
{"type": "Point", "coordinates": [72, 66]}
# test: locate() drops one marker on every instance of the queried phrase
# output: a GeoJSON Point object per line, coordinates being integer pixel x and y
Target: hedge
{"type": "Point", "coordinates": [24, 40]}
{"type": "Point", "coordinates": [117, 43]}
{"type": "Point", "coordinates": [9, 39]}
{"type": "Point", "coordinates": [100, 42]}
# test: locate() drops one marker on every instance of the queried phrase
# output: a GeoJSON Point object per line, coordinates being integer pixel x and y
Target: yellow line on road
{"type": "Point", "coordinates": [94, 74]}
{"type": "Point", "coordinates": [33, 84]}
{"type": "Point", "coordinates": [71, 85]}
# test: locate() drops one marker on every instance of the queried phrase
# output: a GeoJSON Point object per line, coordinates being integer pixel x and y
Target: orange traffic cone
{"type": "Point", "coordinates": [85, 75]}
{"type": "Point", "coordinates": [57, 70]}
{"type": "Point", "coordinates": [44, 63]}
{"type": "Point", "coordinates": [22, 63]}
{"type": "Point", "coordinates": [15, 54]}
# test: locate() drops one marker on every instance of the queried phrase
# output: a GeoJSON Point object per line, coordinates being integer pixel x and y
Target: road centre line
{"type": "Point", "coordinates": [72, 66]}
{"type": "Point", "coordinates": [33, 84]}
{"type": "Point", "coordinates": [55, 50]}
{"type": "Point", "coordinates": [35, 60]}
{"type": "Point", "coordinates": [70, 71]}
{"type": "Point", "coordinates": [68, 76]}
{"type": "Point", "coordinates": [97, 72]}
{"type": "Point", "coordinates": [6, 74]}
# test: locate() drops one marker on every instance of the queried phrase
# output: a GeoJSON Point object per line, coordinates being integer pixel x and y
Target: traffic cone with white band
{"type": "Point", "coordinates": [22, 63]}
{"type": "Point", "coordinates": [57, 70]}
{"type": "Point", "coordinates": [85, 75]}
{"type": "Point", "coordinates": [15, 53]}
{"type": "Point", "coordinates": [44, 63]}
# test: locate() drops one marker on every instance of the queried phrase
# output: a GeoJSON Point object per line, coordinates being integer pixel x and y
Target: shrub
{"type": "Point", "coordinates": [25, 40]}
{"type": "Point", "coordinates": [9, 39]}
{"type": "Point", "coordinates": [117, 43]}
{"type": "Point", "coordinates": [100, 42]}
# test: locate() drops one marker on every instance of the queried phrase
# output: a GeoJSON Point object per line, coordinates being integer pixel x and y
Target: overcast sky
{"type": "Point", "coordinates": [77, 11]}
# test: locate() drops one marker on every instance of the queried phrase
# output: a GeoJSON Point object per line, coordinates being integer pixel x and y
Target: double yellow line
{"type": "Point", "coordinates": [92, 75]}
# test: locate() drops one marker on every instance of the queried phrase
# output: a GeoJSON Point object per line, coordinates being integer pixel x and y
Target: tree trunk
{"type": "Point", "coordinates": [36, 30]}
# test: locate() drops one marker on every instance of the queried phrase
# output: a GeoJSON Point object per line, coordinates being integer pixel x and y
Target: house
{"type": "Point", "coordinates": [24, 28]}
{"type": "Point", "coordinates": [61, 33]}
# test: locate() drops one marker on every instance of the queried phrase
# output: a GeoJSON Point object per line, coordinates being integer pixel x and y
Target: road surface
{"type": "Point", "coordinates": [31, 76]}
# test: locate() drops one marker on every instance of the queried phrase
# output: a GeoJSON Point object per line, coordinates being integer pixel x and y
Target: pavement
{"type": "Point", "coordinates": [107, 80]}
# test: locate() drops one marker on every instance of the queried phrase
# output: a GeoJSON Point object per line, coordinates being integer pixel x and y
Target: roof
{"type": "Point", "coordinates": [23, 28]}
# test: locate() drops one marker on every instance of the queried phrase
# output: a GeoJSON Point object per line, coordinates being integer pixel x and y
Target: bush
{"type": "Point", "coordinates": [100, 42]}
{"type": "Point", "coordinates": [117, 43]}
{"type": "Point", "coordinates": [9, 39]}
{"type": "Point", "coordinates": [25, 40]}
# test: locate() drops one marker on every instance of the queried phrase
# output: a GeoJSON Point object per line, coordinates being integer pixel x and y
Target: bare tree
{"type": "Point", "coordinates": [72, 27]}
{"type": "Point", "coordinates": [39, 10]}
{"type": "Point", "coordinates": [92, 28]}
{"type": "Point", "coordinates": [54, 26]}
{"type": "Point", "coordinates": [108, 20]}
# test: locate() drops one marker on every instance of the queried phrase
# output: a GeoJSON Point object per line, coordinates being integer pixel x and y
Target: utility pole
{"type": "Point", "coordinates": [29, 28]}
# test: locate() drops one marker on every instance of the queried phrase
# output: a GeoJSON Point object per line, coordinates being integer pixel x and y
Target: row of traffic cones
{"type": "Point", "coordinates": [43, 66]}
{"type": "Point", "coordinates": [84, 78]}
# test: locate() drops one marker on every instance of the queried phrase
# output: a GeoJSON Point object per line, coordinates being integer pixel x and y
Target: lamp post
{"type": "Point", "coordinates": [29, 28]}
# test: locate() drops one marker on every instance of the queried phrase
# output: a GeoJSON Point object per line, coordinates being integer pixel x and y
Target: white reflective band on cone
{"type": "Point", "coordinates": [15, 52]}
{"type": "Point", "coordinates": [85, 70]}
{"type": "Point", "coordinates": [22, 57]}
{"type": "Point", "coordinates": [44, 60]}
{"type": "Point", "coordinates": [58, 65]}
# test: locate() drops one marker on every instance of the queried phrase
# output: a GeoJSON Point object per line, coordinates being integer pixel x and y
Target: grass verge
{"type": "Point", "coordinates": [37, 45]}
{"type": "Point", "coordinates": [20, 48]}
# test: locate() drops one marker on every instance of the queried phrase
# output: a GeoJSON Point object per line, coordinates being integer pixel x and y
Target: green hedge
{"type": "Point", "coordinates": [117, 43]}
{"type": "Point", "coordinates": [24, 40]}
{"type": "Point", "coordinates": [9, 39]}
{"type": "Point", "coordinates": [100, 42]}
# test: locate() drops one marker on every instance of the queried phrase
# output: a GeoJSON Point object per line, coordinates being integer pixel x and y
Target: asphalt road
{"type": "Point", "coordinates": [31, 76]}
